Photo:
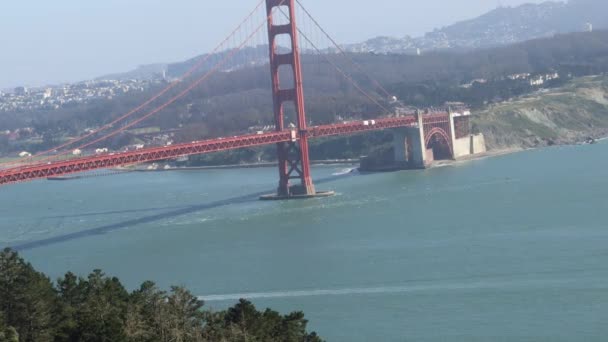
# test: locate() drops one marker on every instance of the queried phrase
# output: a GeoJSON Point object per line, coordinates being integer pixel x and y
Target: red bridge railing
{"type": "Point", "coordinates": [89, 163]}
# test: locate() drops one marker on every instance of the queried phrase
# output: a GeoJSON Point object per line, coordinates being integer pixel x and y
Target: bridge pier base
{"type": "Point", "coordinates": [277, 197]}
{"type": "Point", "coordinates": [409, 146]}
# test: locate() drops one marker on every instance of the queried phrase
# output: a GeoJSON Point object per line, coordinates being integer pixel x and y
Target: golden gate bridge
{"type": "Point", "coordinates": [414, 134]}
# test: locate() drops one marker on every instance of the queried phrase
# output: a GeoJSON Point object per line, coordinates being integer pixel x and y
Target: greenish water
{"type": "Point", "coordinates": [513, 248]}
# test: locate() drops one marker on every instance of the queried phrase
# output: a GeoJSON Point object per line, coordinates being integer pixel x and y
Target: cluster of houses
{"type": "Point", "coordinates": [534, 80]}
{"type": "Point", "coordinates": [261, 129]}
{"type": "Point", "coordinates": [23, 99]}
{"type": "Point", "coordinates": [144, 140]}
{"type": "Point", "coordinates": [539, 80]}
{"type": "Point", "coordinates": [19, 133]}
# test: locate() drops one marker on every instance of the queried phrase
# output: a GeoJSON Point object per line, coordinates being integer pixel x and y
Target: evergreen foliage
{"type": "Point", "coordinates": [99, 309]}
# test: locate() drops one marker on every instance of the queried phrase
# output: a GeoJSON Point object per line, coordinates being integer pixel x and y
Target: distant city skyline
{"type": "Point", "coordinates": [72, 40]}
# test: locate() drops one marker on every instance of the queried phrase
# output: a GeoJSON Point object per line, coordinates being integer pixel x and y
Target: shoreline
{"type": "Point", "coordinates": [436, 164]}
{"type": "Point", "coordinates": [433, 165]}
{"type": "Point", "coordinates": [485, 155]}
{"type": "Point", "coordinates": [507, 151]}
{"type": "Point", "coordinates": [245, 166]}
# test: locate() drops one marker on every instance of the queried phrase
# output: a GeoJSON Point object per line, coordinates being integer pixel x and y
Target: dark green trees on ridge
{"type": "Point", "coordinates": [99, 309]}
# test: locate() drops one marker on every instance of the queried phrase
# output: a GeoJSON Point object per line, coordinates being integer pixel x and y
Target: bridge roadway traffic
{"type": "Point", "coordinates": [89, 163]}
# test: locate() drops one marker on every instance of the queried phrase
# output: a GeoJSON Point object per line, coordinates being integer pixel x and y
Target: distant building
{"type": "Point", "coordinates": [588, 27]}
{"type": "Point", "coordinates": [523, 76]}
{"type": "Point", "coordinates": [457, 107]}
{"type": "Point", "coordinates": [552, 76]}
{"type": "Point", "coordinates": [473, 82]}
{"type": "Point", "coordinates": [47, 93]}
{"type": "Point", "coordinates": [537, 81]}
{"type": "Point", "coordinates": [21, 91]}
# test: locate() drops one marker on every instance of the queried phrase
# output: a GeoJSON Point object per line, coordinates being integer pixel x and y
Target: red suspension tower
{"type": "Point", "coordinates": [294, 162]}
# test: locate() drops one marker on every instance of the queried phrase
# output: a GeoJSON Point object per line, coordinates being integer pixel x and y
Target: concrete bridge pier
{"type": "Point", "coordinates": [452, 131]}
{"type": "Point", "coordinates": [409, 146]}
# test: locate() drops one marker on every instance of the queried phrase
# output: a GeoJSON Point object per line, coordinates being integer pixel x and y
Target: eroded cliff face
{"type": "Point", "coordinates": [566, 115]}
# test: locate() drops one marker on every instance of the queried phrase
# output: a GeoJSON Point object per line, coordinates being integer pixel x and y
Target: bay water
{"type": "Point", "coordinates": [511, 248]}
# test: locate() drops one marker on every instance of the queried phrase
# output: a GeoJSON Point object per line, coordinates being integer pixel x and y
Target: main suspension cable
{"type": "Point", "coordinates": [181, 94]}
{"type": "Point", "coordinates": [342, 72]}
{"type": "Point", "coordinates": [342, 51]}
{"type": "Point", "coordinates": [173, 84]}
{"type": "Point", "coordinates": [178, 96]}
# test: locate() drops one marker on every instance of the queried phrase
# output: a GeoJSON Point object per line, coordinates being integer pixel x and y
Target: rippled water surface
{"type": "Point", "coordinates": [513, 248]}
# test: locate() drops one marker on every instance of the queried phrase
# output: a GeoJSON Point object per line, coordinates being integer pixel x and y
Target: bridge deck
{"type": "Point", "coordinates": [89, 163]}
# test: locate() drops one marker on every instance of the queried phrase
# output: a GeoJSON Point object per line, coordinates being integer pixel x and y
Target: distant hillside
{"type": "Point", "coordinates": [565, 115]}
{"type": "Point", "coordinates": [247, 57]}
{"type": "Point", "coordinates": [502, 26]}
{"type": "Point", "coordinates": [143, 72]}
{"type": "Point", "coordinates": [233, 102]}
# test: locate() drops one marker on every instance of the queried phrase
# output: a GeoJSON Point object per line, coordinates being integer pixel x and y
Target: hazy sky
{"type": "Point", "coordinates": [52, 41]}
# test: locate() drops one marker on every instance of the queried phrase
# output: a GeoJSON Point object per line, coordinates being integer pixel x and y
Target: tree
{"type": "Point", "coordinates": [184, 316]}
{"type": "Point", "coordinates": [102, 314]}
{"type": "Point", "coordinates": [99, 309]}
{"type": "Point", "coordinates": [27, 298]}
{"type": "Point", "coordinates": [48, 139]}
{"type": "Point", "coordinates": [4, 144]}
{"type": "Point", "coordinates": [71, 291]}
{"type": "Point", "coordinates": [7, 334]}
{"type": "Point", "coordinates": [146, 314]}
{"type": "Point", "coordinates": [244, 322]}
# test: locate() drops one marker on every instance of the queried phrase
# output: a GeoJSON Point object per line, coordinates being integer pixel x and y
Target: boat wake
{"type": "Point", "coordinates": [345, 171]}
{"type": "Point", "coordinates": [538, 283]}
